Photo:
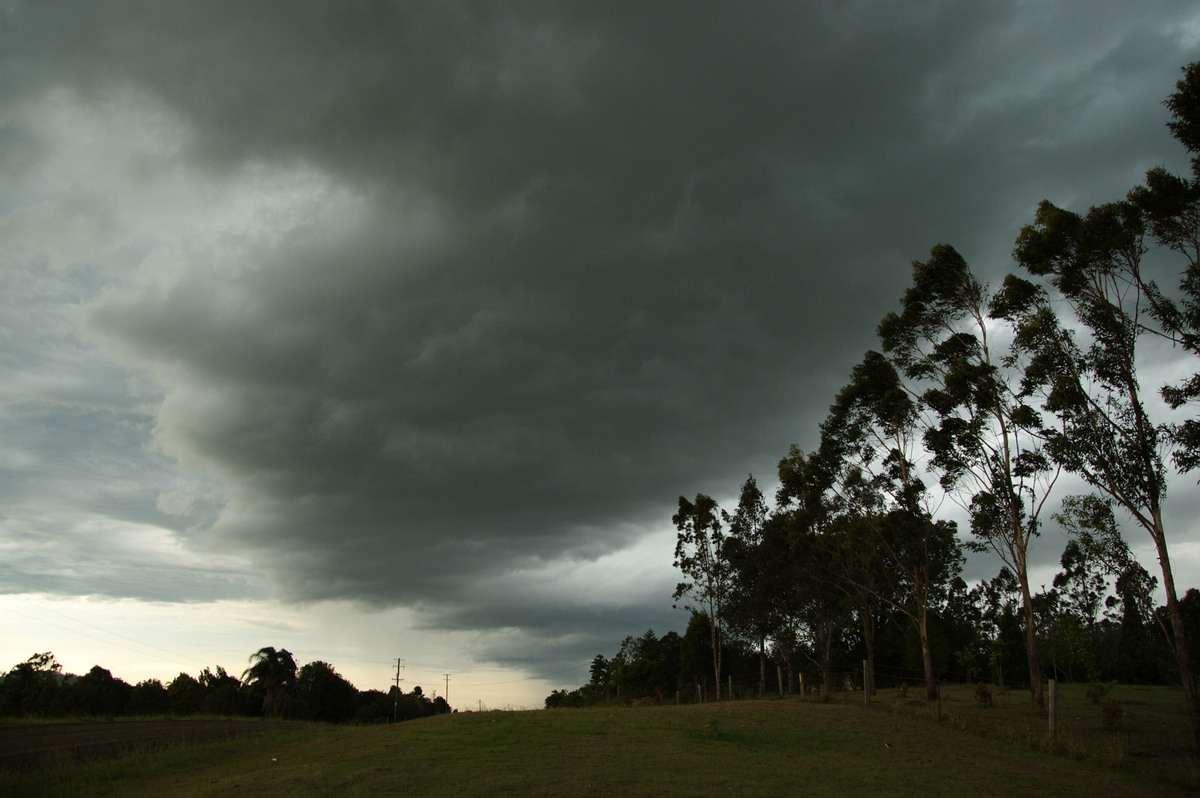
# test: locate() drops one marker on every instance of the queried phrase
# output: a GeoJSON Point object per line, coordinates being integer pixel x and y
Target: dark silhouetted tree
{"type": "Point", "coordinates": [329, 697]}
{"type": "Point", "coordinates": [700, 555]}
{"type": "Point", "coordinates": [981, 432]}
{"type": "Point", "coordinates": [271, 675]}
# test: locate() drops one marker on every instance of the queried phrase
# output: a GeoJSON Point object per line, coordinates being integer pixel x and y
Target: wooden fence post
{"type": "Point", "coordinates": [1053, 709]}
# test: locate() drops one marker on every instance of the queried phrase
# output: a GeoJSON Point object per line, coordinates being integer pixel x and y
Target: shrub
{"type": "Point", "coordinates": [1111, 715]}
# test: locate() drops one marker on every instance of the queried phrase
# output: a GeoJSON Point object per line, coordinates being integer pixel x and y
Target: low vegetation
{"type": "Point", "coordinates": [769, 747]}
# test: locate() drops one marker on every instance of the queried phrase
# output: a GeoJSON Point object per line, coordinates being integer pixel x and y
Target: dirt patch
{"type": "Point", "coordinates": [26, 747]}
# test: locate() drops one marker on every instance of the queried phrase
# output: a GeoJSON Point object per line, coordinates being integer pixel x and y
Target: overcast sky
{"type": "Point", "coordinates": [382, 330]}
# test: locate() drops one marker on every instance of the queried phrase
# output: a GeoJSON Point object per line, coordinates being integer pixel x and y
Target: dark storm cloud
{"type": "Point", "coordinates": [568, 261]}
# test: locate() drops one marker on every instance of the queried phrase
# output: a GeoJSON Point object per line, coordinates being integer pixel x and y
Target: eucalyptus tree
{"type": "Point", "coordinates": [752, 610]}
{"type": "Point", "coordinates": [1087, 374]}
{"type": "Point", "coordinates": [982, 434]}
{"type": "Point", "coordinates": [850, 564]}
{"type": "Point", "coordinates": [701, 556]}
{"type": "Point", "coordinates": [1170, 208]}
{"type": "Point", "coordinates": [868, 451]}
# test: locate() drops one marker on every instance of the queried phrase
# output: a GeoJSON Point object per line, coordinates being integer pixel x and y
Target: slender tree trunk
{"type": "Point", "coordinates": [826, 661]}
{"type": "Point", "coordinates": [1182, 651]}
{"type": "Point", "coordinates": [1031, 650]}
{"type": "Point", "coordinates": [716, 649]}
{"type": "Point", "coordinates": [868, 625]}
{"type": "Point", "coordinates": [762, 666]}
{"type": "Point", "coordinates": [931, 690]}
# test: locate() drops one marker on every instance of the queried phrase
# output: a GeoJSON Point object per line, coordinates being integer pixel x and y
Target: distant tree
{"type": "Point", "coordinates": [373, 706]}
{"type": "Point", "coordinates": [222, 693]}
{"type": "Point", "coordinates": [329, 697]}
{"type": "Point", "coordinates": [97, 693]}
{"type": "Point", "coordinates": [700, 554]}
{"type": "Point", "coordinates": [752, 609]}
{"type": "Point", "coordinates": [272, 674]}
{"type": "Point", "coordinates": [30, 687]}
{"type": "Point", "coordinates": [148, 697]}
{"type": "Point", "coordinates": [185, 695]}
{"type": "Point", "coordinates": [602, 673]}
{"type": "Point", "coordinates": [846, 560]}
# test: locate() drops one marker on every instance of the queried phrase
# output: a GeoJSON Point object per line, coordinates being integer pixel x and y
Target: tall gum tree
{"type": "Point", "coordinates": [833, 516]}
{"type": "Point", "coordinates": [752, 601]}
{"type": "Point", "coordinates": [700, 555]}
{"type": "Point", "coordinates": [1087, 376]}
{"type": "Point", "coordinates": [977, 428]}
{"type": "Point", "coordinates": [869, 443]}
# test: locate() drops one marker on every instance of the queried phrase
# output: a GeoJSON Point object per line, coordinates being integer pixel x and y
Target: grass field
{"type": "Point", "coordinates": [787, 747]}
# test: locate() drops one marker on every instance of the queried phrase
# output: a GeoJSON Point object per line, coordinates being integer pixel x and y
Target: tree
{"type": "Point", "coordinates": [1105, 433]}
{"type": "Point", "coordinates": [272, 674]}
{"type": "Point", "coordinates": [222, 693]}
{"type": "Point", "coordinates": [30, 687]}
{"type": "Point", "coordinates": [98, 693]}
{"type": "Point", "coordinates": [980, 432]}
{"type": "Point", "coordinates": [829, 571]}
{"type": "Point", "coordinates": [185, 695]}
{"type": "Point", "coordinates": [329, 697]}
{"type": "Point", "coordinates": [866, 459]}
{"type": "Point", "coordinates": [149, 697]}
{"type": "Point", "coordinates": [752, 610]}
{"type": "Point", "coordinates": [700, 555]}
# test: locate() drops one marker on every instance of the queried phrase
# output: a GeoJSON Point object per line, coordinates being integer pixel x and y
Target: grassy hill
{"type": "Point", "coordinates": [775, 747]}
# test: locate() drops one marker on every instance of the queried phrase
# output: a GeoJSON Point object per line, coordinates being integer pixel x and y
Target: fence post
{"type": "Point", "coordinates": [866, 687]}
{"type": "Point", "coordinates": [779, 676]}
{"type": "Point", "coordinates": [801, 685]}
{"type": "Point", "coordinates": [1053, 709]}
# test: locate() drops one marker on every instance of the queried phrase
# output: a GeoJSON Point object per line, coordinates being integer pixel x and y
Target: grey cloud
{"type": "Point", "coordinates": [565, 262]}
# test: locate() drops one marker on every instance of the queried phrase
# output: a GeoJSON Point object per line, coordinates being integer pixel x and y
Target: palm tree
{"type": "Point", "coordinates": [274, 673]}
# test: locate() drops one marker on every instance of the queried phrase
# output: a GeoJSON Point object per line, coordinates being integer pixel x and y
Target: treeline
{"type": "Point", "coordinates": [273, 686]}
{"type": "Point", "coordinates": [1088, 634]}
{"type": "Point", "coordinates": [977, 401]}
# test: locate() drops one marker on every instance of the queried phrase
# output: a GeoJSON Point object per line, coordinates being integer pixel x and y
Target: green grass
{"type": "Point", "coordinates": [776, 747]}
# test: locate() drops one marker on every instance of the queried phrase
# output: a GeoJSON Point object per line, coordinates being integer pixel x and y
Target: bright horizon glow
{"type": "Point", "coordinates": [137, 641]}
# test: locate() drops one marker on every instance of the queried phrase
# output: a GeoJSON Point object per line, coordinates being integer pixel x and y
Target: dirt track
{"type": "Point", "coordinates": [26, 746]}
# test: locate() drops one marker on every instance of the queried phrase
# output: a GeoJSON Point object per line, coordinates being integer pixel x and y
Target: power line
{"type": "Point", "coordinates": [111, 642]}
{"type": "Point", "coordinates": [99, 628]}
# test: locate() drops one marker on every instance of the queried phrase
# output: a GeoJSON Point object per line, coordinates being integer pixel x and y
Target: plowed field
{"type": "Point", "coordinates": [26, 746]}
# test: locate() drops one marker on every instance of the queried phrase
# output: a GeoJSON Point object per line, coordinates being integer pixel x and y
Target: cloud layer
{"type": "Point", "coordinates": [433, 304]}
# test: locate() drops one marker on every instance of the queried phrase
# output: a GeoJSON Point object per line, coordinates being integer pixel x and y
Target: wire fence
{"type": "Point", "coordinates": [894, 680]}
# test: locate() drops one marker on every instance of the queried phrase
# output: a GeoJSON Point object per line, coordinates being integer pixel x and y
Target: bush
{"type": "Point", "coordinates": [1111, 715]}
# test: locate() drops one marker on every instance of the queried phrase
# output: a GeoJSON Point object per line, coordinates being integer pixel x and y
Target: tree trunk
{"type": "Point", "coordinates": [762, 667]}
{"type": "Point", "coordinates": [868, 624]}
{"type": "Point", "coordinates": [827, 661]}
{"type": "Point", "coordinates": [716, 649]}
{"type": "Point", "coordinates": [1031, 651]}
{"type": "Point", "coordinates": [931, 690]}
{"type": "Point", "coordinates": [1183, 653]}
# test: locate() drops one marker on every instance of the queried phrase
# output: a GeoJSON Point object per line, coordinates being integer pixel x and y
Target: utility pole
{"type": "Point", "coordinates": [447, 696]}
{"type": "Point", "coordinates": [396, 696]}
